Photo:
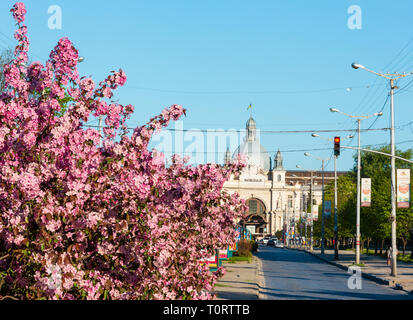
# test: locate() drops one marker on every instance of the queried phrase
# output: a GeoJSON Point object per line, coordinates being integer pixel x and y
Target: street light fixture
{"type": "Point", "coordinates": [356, 65]}
{"type": "Point", "coordinates": [391, 77]}
{"type": "Point", "coordinates": [359, 118]}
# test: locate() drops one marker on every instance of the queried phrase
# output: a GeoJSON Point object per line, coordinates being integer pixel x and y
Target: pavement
{"type": "Point", "coordinates": [375, 267]}
{"type": "Point", "coordinates": [240, 281]}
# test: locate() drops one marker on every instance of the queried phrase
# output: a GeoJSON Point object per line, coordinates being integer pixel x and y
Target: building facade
{"type": "Point", "coordinates": [277, 199]}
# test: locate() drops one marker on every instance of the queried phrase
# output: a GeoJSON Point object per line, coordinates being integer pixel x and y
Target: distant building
{"type": "Point", "coordinates": [276, 198]}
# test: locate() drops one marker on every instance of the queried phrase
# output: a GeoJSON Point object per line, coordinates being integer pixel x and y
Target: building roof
{"type": "Point", "coordinates": [255, 153]}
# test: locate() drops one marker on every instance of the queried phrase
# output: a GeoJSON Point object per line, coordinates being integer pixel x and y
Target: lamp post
{"type": "Point", "coordinates": [391, 77]}
{"type": "Point", "coordinates": [322, 205]}
{"type": "Point", "coordinates": [335, 196]}
{"type": "Point", "coordinates": [311, 203]}
{"type": "Point", "coordinates": [358, 118]}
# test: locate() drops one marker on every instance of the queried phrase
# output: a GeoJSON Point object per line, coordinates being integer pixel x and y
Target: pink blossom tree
{"type": "Point", "coordinates": [79, 221]}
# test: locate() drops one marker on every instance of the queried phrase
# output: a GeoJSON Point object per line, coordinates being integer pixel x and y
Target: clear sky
{"type": "Point", "coordinates": [290, 59]}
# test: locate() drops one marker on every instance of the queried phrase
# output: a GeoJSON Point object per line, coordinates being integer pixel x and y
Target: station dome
{"type": "Point", "coordinates": [255, 153]}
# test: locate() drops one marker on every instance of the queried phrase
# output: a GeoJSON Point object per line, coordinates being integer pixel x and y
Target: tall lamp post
{"type": "Point", "coordinates": [391, 77]}
{"type": "Point", "coordinates": [311, 204]}
{"type": "Point", "coordinates": [322, 205]}
{"type": "Point", "coordinates": [335, 196]}
{"type": "Point", "coordinates": [358, 118]}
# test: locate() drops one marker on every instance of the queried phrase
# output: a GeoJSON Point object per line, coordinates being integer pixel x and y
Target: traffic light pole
{"type": "Point", "coordinates": [335, 211]}
{"type": "Point", "coordinates": [322, 214]}
{"type": "Point", "coordinates": [311, 215]}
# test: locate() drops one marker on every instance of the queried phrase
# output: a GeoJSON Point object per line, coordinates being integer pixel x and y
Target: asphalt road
{"type": "Point", "coordinates": [290, 274]}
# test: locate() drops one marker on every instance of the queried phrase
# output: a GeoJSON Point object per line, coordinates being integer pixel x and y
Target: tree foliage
{"type": "Point", "coordinates": [374, 220]}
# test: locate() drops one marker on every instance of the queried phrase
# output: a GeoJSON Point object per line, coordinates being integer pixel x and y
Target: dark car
{"type": "Point", "coordinates": [271, 242]}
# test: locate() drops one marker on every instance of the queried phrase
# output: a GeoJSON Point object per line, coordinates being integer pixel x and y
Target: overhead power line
{"type": "Point", "coordinates": [249, 91]}
{"type": "Point", "coordinates": [260, 131]}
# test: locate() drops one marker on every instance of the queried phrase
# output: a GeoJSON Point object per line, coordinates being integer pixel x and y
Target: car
{"type": "Point", "coordinates": [271, 242]}
{"type": "Point", "coordinates": [279, 244]}
{"type": "Point", "coordinates": [265, 240]}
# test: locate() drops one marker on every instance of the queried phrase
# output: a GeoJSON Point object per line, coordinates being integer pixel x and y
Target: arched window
{"type": "Point", "coordinates": [255, 206]}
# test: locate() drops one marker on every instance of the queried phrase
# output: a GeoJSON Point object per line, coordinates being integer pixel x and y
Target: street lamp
{"type": "Point", "coordinates": [335, 194]}
{"type": "Point", "coordinates": [391, 77]}
{"type": "Point", "coordinates": [322, 205]}
{"type": "Point", "coordinates": [311, 205]}
{"type": "Point", "coordinates": [359, 118]}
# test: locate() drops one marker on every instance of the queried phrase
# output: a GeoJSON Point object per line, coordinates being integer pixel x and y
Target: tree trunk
{"type": "Point", "coordinates": [352, 243]}
{"type": "Point", "coordinates": [404, 245]}
{"type": "Point", "coordinates": [377, 247]}
{"type": "Point", "coordinates": [381, 247]}
{"type": "Point", "coordinates": [368, 245]}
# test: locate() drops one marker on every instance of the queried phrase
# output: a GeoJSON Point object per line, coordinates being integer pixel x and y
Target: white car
{"type": "Point", "coordinates": [265, 240]}
{"type": "Point", "coordinates": [279, 244]}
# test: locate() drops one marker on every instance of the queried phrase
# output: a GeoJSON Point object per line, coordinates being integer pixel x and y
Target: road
{"type": "Point", "coordinates": [291, 274]}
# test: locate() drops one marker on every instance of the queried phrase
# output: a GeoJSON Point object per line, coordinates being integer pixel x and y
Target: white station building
{"type": "Point", "coordinates": [277, 198]}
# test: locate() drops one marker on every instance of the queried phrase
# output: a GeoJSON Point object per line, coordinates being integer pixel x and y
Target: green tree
{"type": "Point", "coordinates": [375, 223]}
{"type": "Point", "coordinates": [346, 192]}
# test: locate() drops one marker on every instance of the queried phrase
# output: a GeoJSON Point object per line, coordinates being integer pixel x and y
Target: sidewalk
{"type": "Point", "coordinates": [239, 282]}
{"type": "Point", "coordinates": [375, 268]}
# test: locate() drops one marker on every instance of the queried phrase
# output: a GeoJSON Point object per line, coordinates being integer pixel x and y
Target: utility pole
{"type": "Point", "coordinates": [311, 215]}
{"type": "Point", "coordinates": [335, 211]}
{"type": "Point", "coordinates": [391, 77]}
{"type": "Point", "coordinates": [358, 196]}
{"type": "Point", "coordinates": [393, 185]}
{"type": "Point", "coordinates": [359, 118]}
{"type": "Point", "coordinates": [306, 219]}
{"type": "Point", "coordinates": [322, 211]}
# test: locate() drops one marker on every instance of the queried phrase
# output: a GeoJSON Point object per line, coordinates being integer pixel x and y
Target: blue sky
{"type": "Point", "coordinates": [290, 59]}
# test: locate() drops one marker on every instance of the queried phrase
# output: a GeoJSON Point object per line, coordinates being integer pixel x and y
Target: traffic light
{"type": "Point", "coordinates": [336, 146]}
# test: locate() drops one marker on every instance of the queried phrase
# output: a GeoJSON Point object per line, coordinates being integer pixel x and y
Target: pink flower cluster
{"type": "Point", "coordinates": [79, 221]}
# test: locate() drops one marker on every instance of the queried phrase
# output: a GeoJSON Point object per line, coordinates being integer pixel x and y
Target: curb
{"type": "Point", "coordinates": [259, 278]}
{"type": "Point", "coordinates": [390, 283]}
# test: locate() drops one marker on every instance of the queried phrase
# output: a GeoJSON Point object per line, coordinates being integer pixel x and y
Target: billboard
{"type": "Point", "coordinates": [403, 188]}
{"type": "Point", "coordinates": [365, 192]}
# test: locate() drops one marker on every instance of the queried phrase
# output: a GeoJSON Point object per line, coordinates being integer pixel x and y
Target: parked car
{"type": "Point", "coordinates": [279, 244]}
{"type": "Point", "coordinates": [271, 242]}
{"type": "Point", "coordinates": [265, 240]}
